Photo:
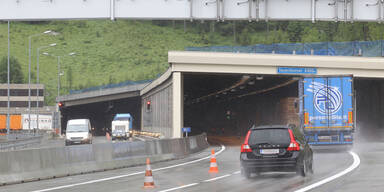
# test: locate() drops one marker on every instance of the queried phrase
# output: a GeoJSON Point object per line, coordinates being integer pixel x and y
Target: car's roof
{"type": "Point", "coordinates": [271, 127]}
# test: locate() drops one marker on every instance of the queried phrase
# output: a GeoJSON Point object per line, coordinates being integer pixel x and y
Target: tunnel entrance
{"type": "Point", "coordinates": [369, 109]}
{"type": "Point", "coordinates": [229, 104]}
{"type": "Point", "coordinates": [102, 113]}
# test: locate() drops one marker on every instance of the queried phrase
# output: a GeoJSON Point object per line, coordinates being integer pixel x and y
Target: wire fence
{"type": "Point", "coordinates": [353, 48]}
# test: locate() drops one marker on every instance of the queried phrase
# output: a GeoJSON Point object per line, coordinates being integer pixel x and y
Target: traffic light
{"type": "Point", "coordinates": [228, 115]}
{"type": "Point", "coordinates": [148, 105]}
{"type": "Point", "coordinates": [60, 104]}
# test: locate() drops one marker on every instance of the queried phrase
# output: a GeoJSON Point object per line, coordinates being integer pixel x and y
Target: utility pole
{"type": "Point", "coordinates": [8, 75]}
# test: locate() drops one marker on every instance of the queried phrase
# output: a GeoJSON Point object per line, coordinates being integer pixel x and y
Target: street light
{"type": "Point", "coordinates": [37, 82]}
{"type": "Point", "coordinates": [58, 68]}
{"type": "Point", "coordinates": [29, 72]}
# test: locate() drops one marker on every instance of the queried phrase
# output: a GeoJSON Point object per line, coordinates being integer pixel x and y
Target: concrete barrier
{"type": "Point", "coordinates": [36, 164]}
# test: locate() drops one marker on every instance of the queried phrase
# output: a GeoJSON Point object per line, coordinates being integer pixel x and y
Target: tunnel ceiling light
{"type": "Point", "coordinates": [259, 77]}
{"type": "Point", "coordinates": [233, 90]}
{"type": "Point", "coordinates": [251, 83]}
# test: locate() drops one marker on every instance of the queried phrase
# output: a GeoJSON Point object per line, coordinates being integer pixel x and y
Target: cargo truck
{"type": "Point", "coordinates": [327, 110]}
{"type": "Point", "coordinates": [122, 126]}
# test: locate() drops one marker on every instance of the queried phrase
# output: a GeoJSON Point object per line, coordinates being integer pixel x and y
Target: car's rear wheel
{"type": "Point", "coordinates": [246, 173]}
{"type": "Point", "coordinates": [311, 167]}
{"type": "Point", "coordinates": [302, 169]}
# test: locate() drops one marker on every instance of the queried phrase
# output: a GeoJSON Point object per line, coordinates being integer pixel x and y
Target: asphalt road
{"type": "Point", "coordinates": [193, 175]}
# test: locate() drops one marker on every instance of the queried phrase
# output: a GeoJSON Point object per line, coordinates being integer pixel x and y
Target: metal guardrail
{"type": "Point", "coordinates": [19, 140]}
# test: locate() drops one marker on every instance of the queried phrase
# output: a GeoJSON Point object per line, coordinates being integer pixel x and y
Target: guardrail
{"type": "Point", "coordinates": [19, 140]}
{"type": "Point", "coordinates": [44, 163]}
{"type": "Point", "coordinates": [20, 143]}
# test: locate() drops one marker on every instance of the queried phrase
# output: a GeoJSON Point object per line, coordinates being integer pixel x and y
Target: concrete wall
{"type": "Point", "coordinates": [36, 164]}
{"type": "Point", "coordinates": [289, 111]}
{"type": "Point", "coordinates": [159, 117]}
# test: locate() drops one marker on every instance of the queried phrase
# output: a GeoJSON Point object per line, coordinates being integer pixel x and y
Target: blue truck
{"type": "Point", "coordinates": [327, 109]}
{"type": "Point", "coordinates": [122, 126]}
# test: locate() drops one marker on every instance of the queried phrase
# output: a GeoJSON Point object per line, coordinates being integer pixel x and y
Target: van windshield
{"type": "Point", "coordinates": [77, 128]}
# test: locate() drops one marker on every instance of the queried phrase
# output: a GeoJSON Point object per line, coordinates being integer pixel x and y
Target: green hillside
{"type": "Point", "coordinates": [106, 51]}
{"type": "Point", "coordinates": [116, 51]}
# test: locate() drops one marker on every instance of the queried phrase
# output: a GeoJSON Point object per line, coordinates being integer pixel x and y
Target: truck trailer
{"type": "Point", "coordinates": [327, 109]}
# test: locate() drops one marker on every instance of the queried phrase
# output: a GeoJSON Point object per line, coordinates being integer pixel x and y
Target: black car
{"type": "Point", "coordinates": [275, 148]}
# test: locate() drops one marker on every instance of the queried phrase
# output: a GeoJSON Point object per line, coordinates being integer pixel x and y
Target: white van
{"type": "Point", "coordinates": [78, 131]}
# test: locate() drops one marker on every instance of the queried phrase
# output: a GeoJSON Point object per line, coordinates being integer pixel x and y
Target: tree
{"type": "Point", "coordinates": [16, 75]}
{"type": "Point", "coordinates": [311, 34]}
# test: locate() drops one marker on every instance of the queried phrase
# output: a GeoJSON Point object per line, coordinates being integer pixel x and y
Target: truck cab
{"type": "Point", "coordinates": [122, 126]}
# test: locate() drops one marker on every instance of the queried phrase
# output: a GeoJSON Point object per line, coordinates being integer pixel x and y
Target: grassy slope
{"type": "Point", "coordinates": [106, 51]}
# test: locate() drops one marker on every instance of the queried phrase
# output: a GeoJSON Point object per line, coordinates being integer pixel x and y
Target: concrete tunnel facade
{"type": "Point", "coordinates": [213, 92]}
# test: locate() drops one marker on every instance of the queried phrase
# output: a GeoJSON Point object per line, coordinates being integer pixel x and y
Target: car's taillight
{"type": "Point", "coordinates": [293, 146]}
{"type": "Point", "coordinates": [245, 147]}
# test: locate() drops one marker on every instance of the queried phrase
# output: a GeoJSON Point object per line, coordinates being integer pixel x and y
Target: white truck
{"type": "Point", "coordinates": [122, 126]}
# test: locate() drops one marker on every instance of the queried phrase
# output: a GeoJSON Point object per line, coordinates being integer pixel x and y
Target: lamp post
{"type": "Point", "coordinates": [58, 68]}
{"type": "Point", "coordinates": [58, 81]}
{"type": "Point", "coordinates": [29, 72]}
{"type": "Point", "coordinates": [8, 77]}
{"type": "Point", "coordinates": [37, 82]}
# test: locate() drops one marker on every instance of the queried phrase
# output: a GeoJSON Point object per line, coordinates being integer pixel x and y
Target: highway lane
{"type": "Point", "coordinates": [194, 175]}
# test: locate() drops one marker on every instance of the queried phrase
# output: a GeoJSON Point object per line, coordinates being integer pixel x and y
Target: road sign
{"type": "Point", "coordinates": [296, 70]}
{"type": "Point", "coordinates": [186, 129]}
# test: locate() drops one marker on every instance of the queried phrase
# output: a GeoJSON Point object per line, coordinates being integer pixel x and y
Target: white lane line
{"type": "Point", "coordinates": [181, 187]}
{"type": "Point", "coordinates": [127, 175]}
{"type": "Point", "coordinates": [217, 178]}
{"type": "Point", "coordinates": [193, 184]}
{"type": "Point", "coordinates": [237, 172]}
{"type": "Point", "coordinates": [355, 164]}
{"type": "Point", "coordinates": [194, 161]}
{"type": "Point", "coordinates": [141, 139]}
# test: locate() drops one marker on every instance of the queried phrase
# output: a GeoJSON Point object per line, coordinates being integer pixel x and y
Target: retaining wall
{"type": "Point", "coordinates": [45, 163]}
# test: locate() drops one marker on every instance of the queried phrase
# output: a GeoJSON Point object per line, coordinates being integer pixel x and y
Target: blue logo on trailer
{"type": "Point", "coordinates": [327, 99]}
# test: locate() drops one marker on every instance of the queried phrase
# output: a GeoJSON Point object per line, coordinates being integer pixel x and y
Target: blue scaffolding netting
{"type": "Point", "coordinates": [122, 84]}
{"type": "Point", "coordinates": [353, 48]}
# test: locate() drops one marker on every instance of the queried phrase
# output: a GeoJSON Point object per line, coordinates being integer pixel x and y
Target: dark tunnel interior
{"type": "Point", "coordinates": [369, 108]}
{"type": "Point", "coordinates": [102, 113]}
{"type": "Point", "coordinates": [230, 104]}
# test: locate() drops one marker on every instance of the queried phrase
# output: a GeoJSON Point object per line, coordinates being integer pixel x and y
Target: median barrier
{"type": "Point", "coordinates": [36, 164]}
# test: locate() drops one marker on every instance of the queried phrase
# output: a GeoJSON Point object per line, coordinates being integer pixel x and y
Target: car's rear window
{"type": "Point", "coordinates": [270, 136]}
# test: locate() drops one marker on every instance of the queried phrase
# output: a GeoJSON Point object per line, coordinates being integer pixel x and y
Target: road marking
{"type": "Point", "coordinates": [193, 184]}
{"type": "Point", "coordinates": [181, 187]}
{"type": "Point", "coordinates": [141, 139]}
{"type": "Point", "coordinates": [217, 178]}
{"type": "Point", "coordinates": [127, 175]}
{"type": "Point", "coordinates": [355, 164]}
{"type": "Point", "coordinates": [237, 172]}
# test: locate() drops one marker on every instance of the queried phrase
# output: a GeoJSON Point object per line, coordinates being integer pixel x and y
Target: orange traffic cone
{"type": "Point", "coordinates": [148, 179]}
{"type": "Point", "coordinates": [213, 167]}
